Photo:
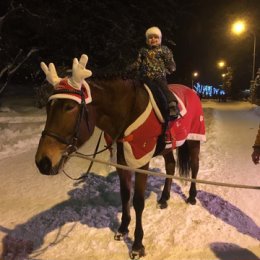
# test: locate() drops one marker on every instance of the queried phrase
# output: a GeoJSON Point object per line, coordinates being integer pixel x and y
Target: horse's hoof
{"type": "Point", "coordinates": [162, 205]}
{"type": "Point", "coordinates": [191, 201]}
{"type": "Point", "coordinates": [120, 236]}
{"type": "Point", "coordinates": [137, 254]}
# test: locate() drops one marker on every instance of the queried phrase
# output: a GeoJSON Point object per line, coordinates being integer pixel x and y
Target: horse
{"type": "Point", "coordinates": [114, 105]}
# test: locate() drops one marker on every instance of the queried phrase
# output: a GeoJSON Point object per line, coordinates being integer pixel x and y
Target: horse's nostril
{"type": "Point", "coordinates": [44, 165]}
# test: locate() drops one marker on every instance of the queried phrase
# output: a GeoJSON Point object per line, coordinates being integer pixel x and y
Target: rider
{"type": "Point", "coordinates": [256, 147]}
{"type": "Point", "coordinates": [152, 65]}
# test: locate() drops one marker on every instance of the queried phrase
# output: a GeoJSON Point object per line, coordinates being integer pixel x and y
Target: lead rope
{"type": "Point", "coordinates": [163, 175]}
{"type": "Point", "coordinates": [83, 176]}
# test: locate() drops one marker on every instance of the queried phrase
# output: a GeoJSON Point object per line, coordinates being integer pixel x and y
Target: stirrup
{"type": "Point", "coordinates": [174, 111]}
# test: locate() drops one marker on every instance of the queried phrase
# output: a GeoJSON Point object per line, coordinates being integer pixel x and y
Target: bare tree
{"type": "Point", "coordinates": [10, 68]}
{"type": "Point", "coordinates": [12, 61]}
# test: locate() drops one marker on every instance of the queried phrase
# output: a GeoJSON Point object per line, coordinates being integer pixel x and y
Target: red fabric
{"type": "Point", "coordinates": [64, 85]}
{"type": "Point", "coordinates": [191, 126]}
{"type": "Point", "coordinates": [145, 137]}
{"type": "Point", "coordinates": [192, 123]}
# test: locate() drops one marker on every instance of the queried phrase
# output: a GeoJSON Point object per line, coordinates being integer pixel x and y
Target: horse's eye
{"type": "Point", "coordinates": [69, 107]}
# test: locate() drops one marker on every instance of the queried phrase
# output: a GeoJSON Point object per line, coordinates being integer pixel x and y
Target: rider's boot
{"type": "Point", "coordinates": [174, 111]}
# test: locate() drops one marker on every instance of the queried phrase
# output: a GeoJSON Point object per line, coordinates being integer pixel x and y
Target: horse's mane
{"type": "Point", "coordinates": [118, 77]}
{"type": "Point", "coordinates": [112, 73]}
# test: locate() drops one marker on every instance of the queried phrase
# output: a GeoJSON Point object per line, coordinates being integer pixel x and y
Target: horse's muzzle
{"type": "Point", "coordinates": [45, 166]}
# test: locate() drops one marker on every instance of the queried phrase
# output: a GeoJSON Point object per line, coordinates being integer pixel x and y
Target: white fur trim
{"type": "Point", "coordinates": [155, 107]}
{"type": "Point", "coordinates": [68, 96]}
{"type": "Point", "coordinates": [128, 152]}
{"type": "Point", "coordinates": [132, 161]}
{"type": "Point", "coordinates": [65, 96]}
{"type": "Point", "coordinates": [196, 137]}
{"type": "Point", "coordinates": [71, 96]}
{"type": "Point", "coordinates": [183, 110]}
{"type": "Point", "coordinates": [139, 121]}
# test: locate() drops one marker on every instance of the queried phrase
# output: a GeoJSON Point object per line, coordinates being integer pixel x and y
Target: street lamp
{"type": "Point", "coordinates": [194, 75]}
{"type": "Point", "coordinates": [221, 64]}
{"type": "Point", "coordinates": [239, 27]}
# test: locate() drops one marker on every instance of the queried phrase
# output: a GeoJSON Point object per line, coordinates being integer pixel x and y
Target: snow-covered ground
{"type": "Point", "coordinates": [65, 220]}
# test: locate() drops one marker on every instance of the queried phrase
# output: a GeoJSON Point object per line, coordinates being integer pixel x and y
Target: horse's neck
{"type": "Point", "coordinates": [117, 104]}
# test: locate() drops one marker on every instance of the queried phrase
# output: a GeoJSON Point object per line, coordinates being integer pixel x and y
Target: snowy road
{"type": "Point", "coordinates": [64, 220]}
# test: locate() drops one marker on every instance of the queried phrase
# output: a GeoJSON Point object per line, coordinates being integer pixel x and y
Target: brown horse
{"type": "Point", "coordinates": [116, 104]}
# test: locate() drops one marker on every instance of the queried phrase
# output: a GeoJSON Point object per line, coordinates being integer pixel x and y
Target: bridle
{"type": "Point", "coordinates": [72, 141]}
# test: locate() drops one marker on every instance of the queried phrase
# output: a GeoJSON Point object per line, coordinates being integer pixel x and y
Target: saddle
{"type": "Point", "coordinates": [160, 106]}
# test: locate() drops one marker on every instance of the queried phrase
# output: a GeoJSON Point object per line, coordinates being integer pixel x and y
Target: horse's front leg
{"type": "Point", "coordinates": [125, 192]}
{"type": "Point", "coordinates": [194, 150]}
{"type": "Point", "coordinates": [170, 169]}
{"type": "Point", "coordinates": [138, 202]}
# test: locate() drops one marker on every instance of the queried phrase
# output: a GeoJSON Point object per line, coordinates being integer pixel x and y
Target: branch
{"type": "Point", "coordinates": [10, 69]}
{"type": "Point", "coordinates": [12, 9]}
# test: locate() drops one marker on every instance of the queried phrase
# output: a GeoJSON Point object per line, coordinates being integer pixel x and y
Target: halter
{"type": "Point", "coordinates": [70, 142]}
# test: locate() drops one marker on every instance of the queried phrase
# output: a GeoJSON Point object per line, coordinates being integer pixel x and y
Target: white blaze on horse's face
{"type": "Point", "coordinates": [62, 115]}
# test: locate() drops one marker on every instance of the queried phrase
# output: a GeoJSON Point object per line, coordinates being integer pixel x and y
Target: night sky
{"type": "Point", "coordinates": [207, 38]}
{"type": "Point", "coordinates": [111, 32]}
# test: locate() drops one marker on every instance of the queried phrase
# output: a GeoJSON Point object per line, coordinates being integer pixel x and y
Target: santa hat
{"type": "Point", "coordinates": [153, 30]}
{"type": "Point", "coordinates": [65, 90]}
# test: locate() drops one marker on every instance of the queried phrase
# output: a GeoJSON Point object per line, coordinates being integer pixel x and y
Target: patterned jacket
{"type": "Point", "coordinates": [154, 63]}
{"type": "Point", "coordinates": [257, 140]}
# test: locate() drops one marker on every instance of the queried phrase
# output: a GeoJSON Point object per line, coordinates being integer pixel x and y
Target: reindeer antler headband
{"type": "Point", "coordinates": [76, 81]}
{"type": "Point", "coordinates": [79, 72]}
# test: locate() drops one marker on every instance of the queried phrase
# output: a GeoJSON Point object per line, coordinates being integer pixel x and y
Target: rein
{"type": "Point", "coordinates": [71, 142]}
{"type": "Point", "coordinates": [83, 176]}
{"type": "Point", "coordinates": [164, 175]}
{"type": "Point", "coordinates": [116, 139]}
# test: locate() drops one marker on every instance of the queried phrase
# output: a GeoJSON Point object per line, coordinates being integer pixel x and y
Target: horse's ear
{"type": "Point", "coordinates": [51, 73]}
{"type": "Point", "coordinates": [79, 71]}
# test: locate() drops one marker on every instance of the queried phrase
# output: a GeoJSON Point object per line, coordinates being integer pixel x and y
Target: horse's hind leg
{"type": "Point", "coordinates": [170, 169]}
{"type": "Point", "coordinates": [194, 150]}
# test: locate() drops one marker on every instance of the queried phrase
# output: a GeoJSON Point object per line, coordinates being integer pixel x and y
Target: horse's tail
{"type": "Point", "coordinates": [183, 160]}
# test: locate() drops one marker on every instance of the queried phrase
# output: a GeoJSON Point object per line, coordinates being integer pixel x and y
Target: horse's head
{"type": "Point", "coordinates": [69, 121]}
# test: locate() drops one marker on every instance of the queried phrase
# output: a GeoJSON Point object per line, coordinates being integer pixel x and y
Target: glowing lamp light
{"type": "Point", "coordinates": [221, 64]}
{"type": "Point", "coordinates": [238, 27]}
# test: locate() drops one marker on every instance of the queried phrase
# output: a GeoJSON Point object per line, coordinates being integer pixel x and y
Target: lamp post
{"type": "Point", "coordinates": [221, 64]}
{"type": "Point", "coordinates": [193, 76]}
{"type": "Point", "coordinates": [253, 71]}
{"type": "Point", "coordinates": [239, 27]}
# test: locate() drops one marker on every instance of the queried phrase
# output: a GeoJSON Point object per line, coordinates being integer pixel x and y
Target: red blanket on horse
{"type": "Point", "coordinates": [141, 137]}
